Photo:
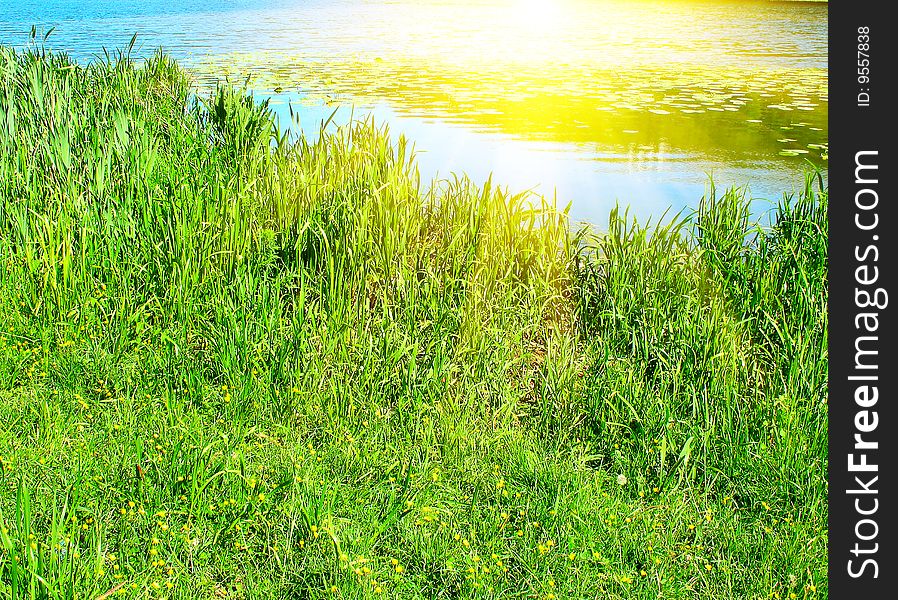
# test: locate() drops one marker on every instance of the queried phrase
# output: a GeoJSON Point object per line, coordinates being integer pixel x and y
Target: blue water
{"type": "Point", "coordinates": [593, 102]}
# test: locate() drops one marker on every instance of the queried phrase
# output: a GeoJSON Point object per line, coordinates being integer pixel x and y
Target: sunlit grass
{"type": "Point", "coordinates": [233, 365]}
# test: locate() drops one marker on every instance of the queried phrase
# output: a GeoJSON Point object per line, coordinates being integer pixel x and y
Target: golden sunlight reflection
{"type": "Point", "coordinates": [591, 97]}
{"type": "Point", "coordinates": [533, 16]}
{"type": "Point", "coordinates": [611, 99]}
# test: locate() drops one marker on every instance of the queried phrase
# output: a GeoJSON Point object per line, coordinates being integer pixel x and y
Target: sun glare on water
{"type": "Point", "coordinates": [535, 14]}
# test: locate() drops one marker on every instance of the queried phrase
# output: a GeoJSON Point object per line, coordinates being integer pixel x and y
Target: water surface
{"type": "Point", "coordinates": [596, 101]}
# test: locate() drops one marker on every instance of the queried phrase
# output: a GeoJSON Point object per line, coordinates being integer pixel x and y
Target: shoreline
{"type": "Point", "coordinates": [234, 366]}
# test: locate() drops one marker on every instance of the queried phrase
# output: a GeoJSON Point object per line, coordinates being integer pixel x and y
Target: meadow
{"type": "Point", "coordinates": [239, 364]}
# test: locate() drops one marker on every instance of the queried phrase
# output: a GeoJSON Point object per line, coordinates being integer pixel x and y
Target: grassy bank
{"type": "Point", "coordinates": [232, 366]}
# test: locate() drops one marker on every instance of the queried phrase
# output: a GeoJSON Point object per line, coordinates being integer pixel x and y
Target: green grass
{"type": "Point", "coordinates": [234, 365]}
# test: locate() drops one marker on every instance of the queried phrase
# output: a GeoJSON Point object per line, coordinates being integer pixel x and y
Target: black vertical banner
{"type": "Point", "coordinates": [862, 377]}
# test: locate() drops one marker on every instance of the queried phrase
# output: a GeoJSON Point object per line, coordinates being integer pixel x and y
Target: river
{"type": "Point", "coordinates": [594, 102]}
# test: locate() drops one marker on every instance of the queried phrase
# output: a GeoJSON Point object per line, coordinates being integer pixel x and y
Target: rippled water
{"type": "Point", "coordinates": [595, 100]}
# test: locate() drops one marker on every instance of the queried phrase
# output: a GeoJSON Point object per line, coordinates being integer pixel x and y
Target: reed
{"type": "Point", "coordinates": [235, 363]}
